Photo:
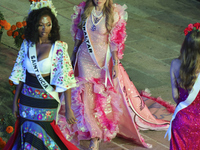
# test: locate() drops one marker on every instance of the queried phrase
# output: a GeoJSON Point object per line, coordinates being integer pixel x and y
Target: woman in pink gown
{"type": "Point", "coordinates": [184, 128]}
{"type": "Point", "coordinates": [106, 102]}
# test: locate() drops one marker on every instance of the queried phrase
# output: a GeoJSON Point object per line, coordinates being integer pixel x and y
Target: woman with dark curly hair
{"type": "Point", "coordinates": [42, 62]}
{"type": "Point", "coordinates": [184, 130]}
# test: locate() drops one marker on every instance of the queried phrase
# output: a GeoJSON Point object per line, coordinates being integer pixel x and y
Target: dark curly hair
{"type": "Point", "coordinates": [31, 30]}
{"type": "Point", "coordinates": [190, 57]}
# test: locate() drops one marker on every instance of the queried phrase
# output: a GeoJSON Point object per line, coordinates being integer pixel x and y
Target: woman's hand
{"type": "Point", "coordinates": [69, 114]}
{"type": "Point", "coordinates": [15, 110]}
{"type": "Point", "coordinates": [115, 71]}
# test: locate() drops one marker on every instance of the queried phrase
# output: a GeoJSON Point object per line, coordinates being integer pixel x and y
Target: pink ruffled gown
{"type": "Point", "coordinates": [185, 132]}
{"type": "Point", "coordinates": [104, 110]}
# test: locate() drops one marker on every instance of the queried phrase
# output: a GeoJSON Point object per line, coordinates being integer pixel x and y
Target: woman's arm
{"type": "Point", "coordinates": [16, 97]}
{"type": "Point", "coordinates": [76, 46]}
{"type": "Point", "coordinates": [115, 69]}
{"type": "Point", "coordinates": [174, 74]}
{"type": "Point", "coordinates": [68, 111]}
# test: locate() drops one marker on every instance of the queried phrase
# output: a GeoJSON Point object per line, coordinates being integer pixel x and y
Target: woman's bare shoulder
{"type": "Point", "coordinates": [175, 65]}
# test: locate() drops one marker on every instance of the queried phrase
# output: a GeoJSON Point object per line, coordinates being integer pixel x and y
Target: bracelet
{"type": "Point", "coordinates": [75, 49]}
{"type": "Point", "coordinates": [115, 62]}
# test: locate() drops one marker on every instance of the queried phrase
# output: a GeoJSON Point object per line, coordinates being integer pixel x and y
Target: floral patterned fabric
{"type": "Point", "coordinates": [62, 75]}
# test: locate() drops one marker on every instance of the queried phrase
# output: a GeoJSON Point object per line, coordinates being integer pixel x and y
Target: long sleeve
{"type": "Point", "coordinates": [76, 18]}
{"type": "Point", "coordinates": [118, 33]}
{"type": "Point", "coordinates": [19, 71]}
{"type": "Point", "coordinates": [62, 75]}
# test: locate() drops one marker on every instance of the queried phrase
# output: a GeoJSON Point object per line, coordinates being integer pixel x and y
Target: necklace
{"type": "Point", "coordinates": [97, 19]}
{"type": "Point", "coordinates": [94, 13]}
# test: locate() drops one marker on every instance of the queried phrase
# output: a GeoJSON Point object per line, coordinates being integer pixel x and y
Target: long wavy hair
{"type": "Point", "coordinates": [107, 11]}
{"type": "Point", "coordinates": [190, 59]}
{"type": "Point", "coordinates": [31, 30]}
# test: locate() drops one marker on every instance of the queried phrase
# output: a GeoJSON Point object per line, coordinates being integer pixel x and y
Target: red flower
{"type": "Point", "coordinates": [196, 25]}
{"type": "Point", "coordinates": [44, 95]}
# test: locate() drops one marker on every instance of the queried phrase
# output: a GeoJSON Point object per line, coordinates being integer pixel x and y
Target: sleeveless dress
{"type": "Point", "coordinates": [105, 108]}
{"type": "Point", "coordinates": [185, 132]}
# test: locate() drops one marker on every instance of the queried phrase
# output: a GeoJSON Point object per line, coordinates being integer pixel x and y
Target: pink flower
{"type": "Point", "coordinates": [190, 26]}
{"type": "Point", "coordinates": [30, 90]}
{"type": "Point", "coordinates": [40, 135]}
{"type": "Point", "coordinates": [70, 73]}
{"type": "Point", "coordinates": [39, 117]}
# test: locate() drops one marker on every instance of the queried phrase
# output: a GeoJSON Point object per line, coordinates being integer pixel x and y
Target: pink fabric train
{"type": "Point", "coordinates": [105, 111]}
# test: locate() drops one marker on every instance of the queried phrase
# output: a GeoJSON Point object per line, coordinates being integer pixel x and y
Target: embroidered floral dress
{"type": "Point", "coordinates": [36, 127]}
{"type": "Point", "coordinates": [102, 106]}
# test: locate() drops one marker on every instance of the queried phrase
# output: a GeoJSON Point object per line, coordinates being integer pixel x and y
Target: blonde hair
{"type": "Point", "coordinates": [107, 11]}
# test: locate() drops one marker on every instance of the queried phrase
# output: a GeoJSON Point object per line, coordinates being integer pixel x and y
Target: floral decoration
{"type": "Point", "coordinates": [17, 32]}
{"type": "Point", "coordinates": [2, 143]}
{"type": "Point", "coordinates": [9, 129]}
{"type": "Point", "coordinates": [3, 23]}
{"type": "Point", "coordinates": [195, 26]}
{"type": "Point", "coordinates": [37, 4]}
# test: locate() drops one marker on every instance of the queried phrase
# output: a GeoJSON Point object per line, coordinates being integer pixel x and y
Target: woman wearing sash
{"type": "Point", "coordinates": [106, 102]}
{"type": "Point", "coordinates": [42, 62]}
{"type": "Point", "coordinates": [184, 129]}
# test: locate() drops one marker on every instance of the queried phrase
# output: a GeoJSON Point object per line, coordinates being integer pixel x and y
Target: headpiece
{"type": "Point", "coordinates": [41, 4]}
{"type": "Point", "coordinates": [191, 27]}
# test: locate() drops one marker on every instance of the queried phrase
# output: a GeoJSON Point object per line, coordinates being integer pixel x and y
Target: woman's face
{"type": "Point", "coordinates": [45, 26]}
{"type": "Point", "coordinates": [99, 3]}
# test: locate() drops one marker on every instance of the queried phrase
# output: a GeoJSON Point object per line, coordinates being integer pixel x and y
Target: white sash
{"type": "Point", "coordinates": [46, 86]}
{"type": "Point", "coordinates": [191, 97]}
{"type": "Point", "coordinates": [91, 52]}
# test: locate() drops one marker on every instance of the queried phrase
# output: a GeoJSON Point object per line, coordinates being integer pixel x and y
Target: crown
{"type": "Point", "coordinates": [191, 27]}
{"type": "Point", "coordinates": [41, 4]}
